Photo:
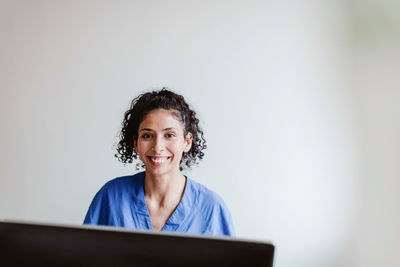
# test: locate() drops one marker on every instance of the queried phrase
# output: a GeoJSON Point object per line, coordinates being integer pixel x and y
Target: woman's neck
{"type": "Point", "coordinates": [163, 189]}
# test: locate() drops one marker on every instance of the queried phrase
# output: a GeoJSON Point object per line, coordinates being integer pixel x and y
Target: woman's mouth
{"type": "Point", "coordinates": [158, 160]}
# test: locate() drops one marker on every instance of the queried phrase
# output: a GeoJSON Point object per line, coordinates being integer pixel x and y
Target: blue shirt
{"type": "Point", "coordinates": [120, 202]}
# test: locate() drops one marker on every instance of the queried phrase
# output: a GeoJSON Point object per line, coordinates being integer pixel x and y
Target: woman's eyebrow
{"type": "Point", "coordinates": [148, 129]}
{"type": "Point", "coordinates": [145, 129]}
{"type": "Point", "coordinates": [169, 128]}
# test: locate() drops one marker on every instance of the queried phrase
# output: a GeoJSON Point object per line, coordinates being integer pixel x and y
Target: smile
{"type": "Point", "coordinates": [157, 161]}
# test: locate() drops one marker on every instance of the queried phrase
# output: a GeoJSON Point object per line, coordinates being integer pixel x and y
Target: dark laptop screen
{"type": "Point", "coordinates": [34, 244]}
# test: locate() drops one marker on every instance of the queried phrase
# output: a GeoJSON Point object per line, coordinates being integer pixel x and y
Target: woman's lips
{"type": "Point", "coordinates": [158, 160]}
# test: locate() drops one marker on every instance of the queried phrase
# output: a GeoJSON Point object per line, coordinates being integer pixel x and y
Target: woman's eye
{"type": "Point", "coordinates": [170, 135]}
{"type": "Point", "coordinates": [146, 136]}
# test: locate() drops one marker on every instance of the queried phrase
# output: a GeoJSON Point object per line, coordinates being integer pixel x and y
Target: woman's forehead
{"type": "Point", "coordinates": [162, 118]}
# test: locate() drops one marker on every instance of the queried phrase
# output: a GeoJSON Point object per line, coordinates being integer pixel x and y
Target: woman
{"type": "Point", "coordinates": [162, 130]}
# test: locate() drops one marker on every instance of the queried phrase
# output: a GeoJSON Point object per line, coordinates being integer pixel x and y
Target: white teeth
{"type": "Point", "coordinates": [157, 160]}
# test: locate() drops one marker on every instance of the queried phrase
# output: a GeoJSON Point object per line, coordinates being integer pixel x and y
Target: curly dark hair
{"type": "Point", "coordinates": [143, 105]}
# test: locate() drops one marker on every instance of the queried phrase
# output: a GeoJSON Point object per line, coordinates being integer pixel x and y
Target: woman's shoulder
{"type": "Point", "coordinates": [213, 211]}
{"type": "Point", "coordinates": [123, 182]}
{"type": "Point", "coordinates": [207, 196]}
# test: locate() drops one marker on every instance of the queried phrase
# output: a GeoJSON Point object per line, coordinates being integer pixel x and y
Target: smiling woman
{"type": "Point", "coordinates": [162, 142]}
{"type": "Point", "coordinates": [163, 132]}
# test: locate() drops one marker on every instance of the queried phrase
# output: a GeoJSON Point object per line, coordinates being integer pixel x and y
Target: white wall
{"type": "Point", "coordinates": [272, 81]}
{"type": "Point", "coordinates": [376, 39]}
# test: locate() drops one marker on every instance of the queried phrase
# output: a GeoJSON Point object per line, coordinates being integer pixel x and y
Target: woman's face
{"type": "Point", "coordinates": [161, 142]}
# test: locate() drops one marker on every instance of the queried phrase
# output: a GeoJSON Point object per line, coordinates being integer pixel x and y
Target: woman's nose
{"type": "Point", "coordinates": [158, 145]}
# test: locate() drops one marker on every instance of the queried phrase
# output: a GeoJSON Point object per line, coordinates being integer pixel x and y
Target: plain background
{"type": "Point", "coordinates": [298, 101]}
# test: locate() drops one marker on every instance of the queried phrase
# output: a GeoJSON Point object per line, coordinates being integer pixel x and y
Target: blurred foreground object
{"type": "Point", "coordinates": [24, 244]}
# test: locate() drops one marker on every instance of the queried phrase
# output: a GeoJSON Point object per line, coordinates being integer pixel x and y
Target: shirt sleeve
{"type": "Point", "coordinates": [98, 212]}
{"type": "Point", "coordinates": [221, 223]}
{"type": "Point", "coordinates": [225, 223]}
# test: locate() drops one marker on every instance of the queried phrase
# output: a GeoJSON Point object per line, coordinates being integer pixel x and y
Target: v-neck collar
{"type": "Point", "coordinates": [177, 218]}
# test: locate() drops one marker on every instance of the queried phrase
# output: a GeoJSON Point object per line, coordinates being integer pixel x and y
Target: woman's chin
{"type": "Point", "coordinates": [161, 170]}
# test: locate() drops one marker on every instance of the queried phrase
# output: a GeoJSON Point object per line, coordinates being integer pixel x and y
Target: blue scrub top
{"type": "Point", "coordinates": [120, 202]}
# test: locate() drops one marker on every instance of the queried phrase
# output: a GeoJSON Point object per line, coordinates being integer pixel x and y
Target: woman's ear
{"type": "Point", "coordinates": [188, 142]}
